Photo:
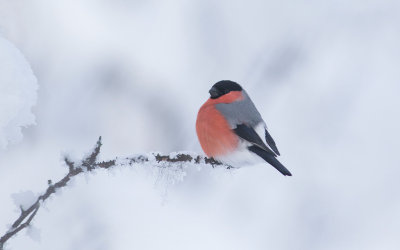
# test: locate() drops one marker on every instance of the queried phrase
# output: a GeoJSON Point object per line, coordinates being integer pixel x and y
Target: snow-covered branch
{"type": "Point", "coordinates": [90, 163]}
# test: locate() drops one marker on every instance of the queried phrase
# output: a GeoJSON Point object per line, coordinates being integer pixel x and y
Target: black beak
{"type": "Point", "coordinates": [214, 93]}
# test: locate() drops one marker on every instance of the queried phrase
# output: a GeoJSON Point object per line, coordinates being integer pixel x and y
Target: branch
{"type": "Point", "coordinates": [88, 164]}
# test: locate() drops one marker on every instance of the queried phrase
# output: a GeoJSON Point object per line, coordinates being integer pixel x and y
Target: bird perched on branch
{"type": "Point", "coordinates": [230, 128]}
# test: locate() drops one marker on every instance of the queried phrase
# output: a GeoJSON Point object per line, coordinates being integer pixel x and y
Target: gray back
{"type": "Point", "coordinates": [240, 112]}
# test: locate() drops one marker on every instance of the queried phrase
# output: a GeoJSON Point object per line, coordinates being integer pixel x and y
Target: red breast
{"type": "Point", "coordinates": [215, 135]}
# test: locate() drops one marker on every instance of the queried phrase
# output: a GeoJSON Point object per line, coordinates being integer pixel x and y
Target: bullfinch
{"type": "Point", "coordinates": [230, 128]}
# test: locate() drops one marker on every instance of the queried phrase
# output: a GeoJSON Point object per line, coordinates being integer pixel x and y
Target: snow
{"type": "Point", "coordinates": [190, 153]}
{"type": "Point", "coordinates": [24, 199]}
{"type": "Point", "coordinates": [18, 87]}
{"type": "Point", "coordinates": [324, 76]}
{"type": "Point", "coordinates": [34, 233]}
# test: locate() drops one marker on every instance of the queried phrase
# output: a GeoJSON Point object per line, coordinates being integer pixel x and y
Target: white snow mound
{"type": "Point", "coordinates": [18, 90]}
{"type": "Point", "coordinates": [24, 199]}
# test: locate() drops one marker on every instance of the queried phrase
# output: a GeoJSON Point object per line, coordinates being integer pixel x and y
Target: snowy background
{"type": "Point", "coordinates": [324, 74]}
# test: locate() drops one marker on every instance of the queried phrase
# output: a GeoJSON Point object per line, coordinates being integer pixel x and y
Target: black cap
{"type": "Point", "coordinates": [223, 87]}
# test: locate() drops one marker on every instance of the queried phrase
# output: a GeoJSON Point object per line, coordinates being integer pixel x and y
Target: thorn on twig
{"type": "Point", "coordinates": [91, 159]}
{"type": "Point", "coordinates": [69, 163]}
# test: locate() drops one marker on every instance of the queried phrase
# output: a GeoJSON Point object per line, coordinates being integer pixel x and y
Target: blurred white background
{"type": "Point", "coordinates": [324, 75]}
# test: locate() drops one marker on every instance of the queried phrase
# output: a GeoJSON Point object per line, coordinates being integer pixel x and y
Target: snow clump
{"type": "Point", "coordinates": [18, 87]}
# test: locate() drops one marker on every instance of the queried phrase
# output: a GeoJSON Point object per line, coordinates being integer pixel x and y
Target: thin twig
{"type": "Point", "coordinates": [86, 165]}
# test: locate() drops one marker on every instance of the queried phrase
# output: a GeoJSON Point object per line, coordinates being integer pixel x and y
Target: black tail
{"type": "Point", "coordinates": [268, 157]}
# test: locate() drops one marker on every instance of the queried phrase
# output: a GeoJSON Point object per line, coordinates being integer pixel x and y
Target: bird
{"type": "Point", "coordinates": [231, 130]}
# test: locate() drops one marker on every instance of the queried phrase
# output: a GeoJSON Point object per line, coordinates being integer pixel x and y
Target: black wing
{"type": "Point", "coordinates": [259, 148]}
{"type": "Point", "coordinates": [270, 159]}
{"type": "Point", "coordinates": [271, 142]}
{"type": "Point", "coordinates": [249, 134]}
